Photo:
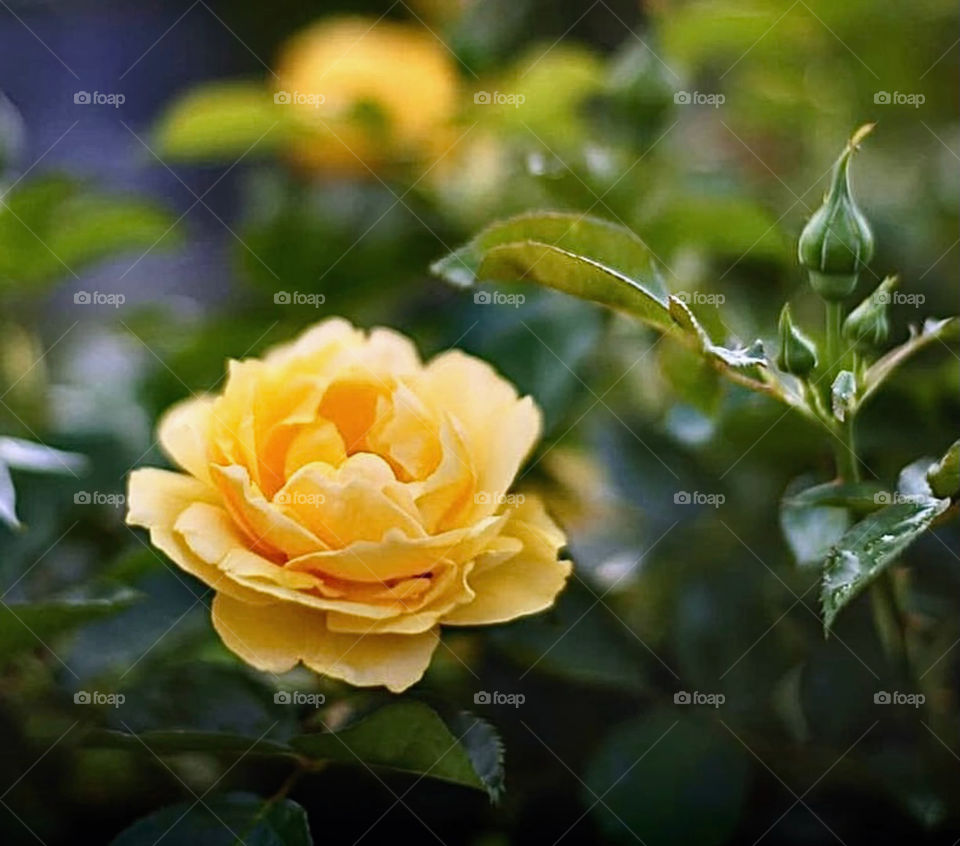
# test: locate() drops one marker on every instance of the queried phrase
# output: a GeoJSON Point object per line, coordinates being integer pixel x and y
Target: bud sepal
{"type": "Point", "coordinates": [798, 354]}
{"type": "Point", "coordinates": [868, 325]}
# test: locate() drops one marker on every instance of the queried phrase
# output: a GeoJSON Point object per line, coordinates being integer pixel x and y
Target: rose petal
{"type": "Point", "coordinates": [446, 495]}
{"type": "Point", "coordinates": [521, 584]}
{"type": "Point", "coordinates": [386, 352]}
{"type": "Point", "coordinates": [319, 441]}
{"type": "Point", "coordinates": [275, 638]}
{"type": "Point", "coordinates": [211, 535]}
{"type": "Point", "coordinates": [156, 499]}
{"type": "Point", "coordinates": [360, 500]}
{"type": "Point", "coordinates": [267, 528]}
{"type": "Point", "coordinates": [397, 556]}
{"type": "Point", "coordinates": [205, 535]}
{"type": "Point", "coordinates": [184, 432]}
{"type": "Point", "coordinates": [232, 434]}
{"type": "Point", "coordinates": [405, 433]}
{"type": "Point", "coordinates": [500, 428]}
{"type": "Point", "coordinates": [327, 337]}
{"type": "Point", "coordinates": [448, 589]}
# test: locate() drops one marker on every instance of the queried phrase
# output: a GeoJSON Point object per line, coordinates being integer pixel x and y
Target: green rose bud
{"type": "Point", "coordinates": [868, 325]}
{"type": "Point", "coordinates": [798, 354]}
{"type": "Point", "coordinates": [837, 242]}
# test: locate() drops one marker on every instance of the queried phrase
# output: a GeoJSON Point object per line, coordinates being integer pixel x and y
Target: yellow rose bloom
{"type": "Point", "coordinates": [345, 500]}
{"type": "Point", "coordinates": [366, 92]}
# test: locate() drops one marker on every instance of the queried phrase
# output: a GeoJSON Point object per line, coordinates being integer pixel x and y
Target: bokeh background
{"type": "Point", "coordinates": [206, 220]}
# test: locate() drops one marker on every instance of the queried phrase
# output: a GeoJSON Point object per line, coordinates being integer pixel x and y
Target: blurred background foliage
{"type": "Point", "coordinates": [202, 198]}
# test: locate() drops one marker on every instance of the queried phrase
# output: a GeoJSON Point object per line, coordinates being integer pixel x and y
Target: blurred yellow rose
{"type": "Point", "coordinates": [345, 499]}
{"type": "Point", "coordinates": [367, 92]}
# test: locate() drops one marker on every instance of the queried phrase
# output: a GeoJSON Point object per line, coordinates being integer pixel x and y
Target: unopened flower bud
{"type": "Point", "coordinates": [836, 242]}
{"type": "Point", "coordinates": [868, 325]}
{"type": "Point", "coordinates": [798, 354]}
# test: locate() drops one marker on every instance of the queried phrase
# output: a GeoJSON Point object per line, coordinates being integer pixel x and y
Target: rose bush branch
{"type": "Point", "coordinates": [610, 265]}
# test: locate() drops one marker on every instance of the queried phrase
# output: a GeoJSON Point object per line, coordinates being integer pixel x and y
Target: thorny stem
{"type": "Point", "coordinates": [848, 465]}
{"type": "Point", "coordinates": [834, 319]}
{"type": "Point", "coordinates": [888, 614]}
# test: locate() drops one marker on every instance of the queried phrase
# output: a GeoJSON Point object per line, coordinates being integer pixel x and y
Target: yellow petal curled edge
{"type": "Point", "coordinates": [524, 583]}
{"type": "Point", "coordinates": [275, 638]}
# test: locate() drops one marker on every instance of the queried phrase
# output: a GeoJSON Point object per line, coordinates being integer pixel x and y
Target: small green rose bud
{"type": "Point", "coordinates": [837, 242]}
{"type": "Point", "coordinates": [798, 354]}
{"type": "Point", "coordinates": [868, 325]}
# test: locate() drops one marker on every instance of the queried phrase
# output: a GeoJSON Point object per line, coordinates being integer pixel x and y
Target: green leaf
{"type": "Point", "coordinates": [53, 227]}
{"type": "Point", "coordinates": [406, 736]}
{"type": "Point", "coordinates": [220, 121]}
{"type": "Point", "coordinates": [411, 737]}
{"type": "Point", "coordinates": [484, 748]}
{"type": "Point", "coordinates": [861, 497]}
{"type": "Point", "coordinates": [580, 255]}
{"type": "Point", "coordinates": [24, 625]}
{"type": "Point", "coordinates": [944, 475]}
{"type": "Point", "coordinates": [695, 381]}
{"type": "Point", "coordinates": [600, 240]}
{"type": "Point", "coordinates": [869, 547]}
{"type": "Point", "coordinates": [814, 518]}
{"type": "Point", "coordinates": [842, 393]}
{"type": "Point", "coordinates": [223, 820]}
{"type": "Point", "coordinates": [178, 741]}
{"type": "Point", "coordinates": [738, 358]}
